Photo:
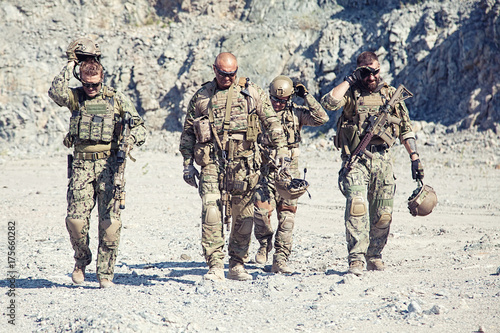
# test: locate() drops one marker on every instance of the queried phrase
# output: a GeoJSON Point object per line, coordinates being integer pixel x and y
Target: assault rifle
{"type": "Point", "coordinates": [121, 158]}
{"type": "Point", "coordinates": [377, 125]}
{"type": "Point", "coordinates": [225, 192]}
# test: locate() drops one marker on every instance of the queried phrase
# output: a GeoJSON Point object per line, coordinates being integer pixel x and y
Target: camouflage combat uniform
{"type": "Point", "coordinates": [237, 160]}
{"type": "Point", "coordinates": [293, 117]}
{"type": "Point", "coordinates": [372, 180]}
{"type": "Point", "coordinates": [94, 167]}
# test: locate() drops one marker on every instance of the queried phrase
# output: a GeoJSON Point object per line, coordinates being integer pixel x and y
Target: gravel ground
{"type": "Point", "coordinates": [441, 276]}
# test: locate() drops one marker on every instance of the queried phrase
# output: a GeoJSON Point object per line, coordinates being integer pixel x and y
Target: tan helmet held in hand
{"type": "Point", "coordinates": [422, 201]}
{"type": "Point", "coordinates": [290, 188]}
{"type": "Point", "coordinates": [85, 47]}
{"type": "Point", "coordinates": [281, 86]}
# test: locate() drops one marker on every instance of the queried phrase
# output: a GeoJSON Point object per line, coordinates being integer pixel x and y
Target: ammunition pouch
{"type": "Point", "coordinates": [241, 177]}
{"type": "Point", "coordinates": [253, 129]}
{"type": "Point", "coordinates": [204, 153]}
{"type": "Point", "coordinates": [202, 130]}
{"type": "Point", "coordinates": [347, 137]}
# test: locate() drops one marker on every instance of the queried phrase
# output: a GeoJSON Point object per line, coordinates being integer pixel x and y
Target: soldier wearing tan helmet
{"type": "Point", "coordinates": [293, 117]}
{"type": "Point", "coordinates": [98, 114]}
{"type": "Point", "coordinates": [369, 185]}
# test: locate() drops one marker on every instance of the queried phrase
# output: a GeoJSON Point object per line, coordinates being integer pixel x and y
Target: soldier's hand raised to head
{"type": "Point", "coordinates": [301, 90]}
{"type": "Point", "coordinates": [70, 51]}
{"type": "Point", "coordinates": [190, 175]}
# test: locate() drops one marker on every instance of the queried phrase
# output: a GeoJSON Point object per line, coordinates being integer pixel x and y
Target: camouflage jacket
{"type": "Point", "coordinates": [353, 101]}
{"type": "Point", "coordinates": [209, 96]}
{"type": "Point", "coordinates": [63, 95]}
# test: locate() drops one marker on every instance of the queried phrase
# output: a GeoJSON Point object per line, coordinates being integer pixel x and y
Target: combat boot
{"type": "Point", "coordinates": [263, 253]}
{"type": "Point", "coordinates": [215, 273]}
{"type": "Point", "coordinates": [279, 266]}
{"type": "Point", "coordinates": [375, 264]}
{"type": "Point", "coordinates": [238, 272]}
{"type": "Point", "coordinates": [356, 267]}
{"type": "Point", "coordinates": [78, 275]}
{"type": "Point", "coordinates": [105, 283]}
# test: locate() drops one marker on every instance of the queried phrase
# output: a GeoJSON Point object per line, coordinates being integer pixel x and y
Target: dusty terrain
{"type": "Point", "coordinates": [441, 271]}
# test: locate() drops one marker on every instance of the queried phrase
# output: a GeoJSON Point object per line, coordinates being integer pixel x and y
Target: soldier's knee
{"type": "Point", "coordinates": [212, 215]}
{"type": "Point", "coordinates": [358, 206]}
{"type": "Point", "coordinates": [287, 221]}
{"type": "Point", "coordinates": [111, 229]}
{"type": "Point", "coordinates": [384, 221]}
{"type": "Point", "coordinates": [75, 227]}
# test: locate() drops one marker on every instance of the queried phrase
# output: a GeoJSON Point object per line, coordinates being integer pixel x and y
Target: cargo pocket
{"type": "Point", "coordinates": [203, 154]}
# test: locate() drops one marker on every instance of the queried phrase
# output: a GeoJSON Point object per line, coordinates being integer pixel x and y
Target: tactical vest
{"type": "Point", "coordinates": [353, 123]}
{"type": "Point", "coordinates": [290, 124]}
{"type": "Point", "coordinates": [95, 119]}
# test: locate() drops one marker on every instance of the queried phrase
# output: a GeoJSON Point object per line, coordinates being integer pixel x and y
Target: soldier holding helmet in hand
{"type": "Point", "coordinates": [95, 133]}
{"type": "Point", "coordinates": [370, 185]}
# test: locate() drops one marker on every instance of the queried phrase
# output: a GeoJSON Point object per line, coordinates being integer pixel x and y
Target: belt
{"type": "Point", "coordinates": [377, 148]}
{"type": "Point", "coordinates": [93, 156]}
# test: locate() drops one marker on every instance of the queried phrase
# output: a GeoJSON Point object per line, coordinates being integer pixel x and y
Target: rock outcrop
{"type": "Point", "coordinates": [159, 52]}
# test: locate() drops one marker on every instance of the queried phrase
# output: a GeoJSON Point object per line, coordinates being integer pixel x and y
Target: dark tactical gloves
{"type": "Point", "coordinates": [301, 90]}
{"type": "Point", "coordinates": [354, 77]}
{"type": "Point", "coordinates": [190, 175]}
{"type": "Point", "coordinates": [417, 170]}
{"type": "Point", "coordinates": [70, 52]}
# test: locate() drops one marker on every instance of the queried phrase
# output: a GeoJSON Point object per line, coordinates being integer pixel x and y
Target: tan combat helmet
{"type": "Point", "coordinates": [422, 201]}
{"type": "Point", "coordinates": [281, 86]}
{"type": "Point", "coordinates": [86, 48]}
{"type": "Point", "coordinates": [290, 188]}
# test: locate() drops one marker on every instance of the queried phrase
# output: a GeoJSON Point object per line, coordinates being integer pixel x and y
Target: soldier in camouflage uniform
{"type": "Point", "coordinates": [220, 132]}
{"type": "Point", "coordinates": [293, 117]}
{"type": "Point", "coordinates": [94, 133]}
{"type": "Point", "coordinates": [369, 187]}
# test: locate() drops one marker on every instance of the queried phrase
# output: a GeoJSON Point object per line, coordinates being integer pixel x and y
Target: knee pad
{"type": "Point", "coordinates": [212, 215]}
{"type": "Point", "coordinates": [287, 221]}
{"type": "Point", "coordinates": [358, 207]}
{"type": "Point", "coordinates": [384, 221]}
{"type": "Point", "coordinates": [111, 230]}
{"type": "Point", "coordinates": [75, 227]}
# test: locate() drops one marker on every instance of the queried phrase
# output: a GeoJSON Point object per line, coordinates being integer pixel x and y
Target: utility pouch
{"type": "Point", "coordinates": [96, 128]}
{"type": "Point", "coordinates": [203, 153]}
{"type": "Point", "coordinates": [349, 137]}
{"type": "Point", "coordinates": [253, 128]}
{"type": "Point", "coordinates": [202, 131]}
{"type": "Point", "coordinates": [236, 182]}
{"type": "Point", "coordinates": [85, 122]}
{"type": "Point", "coordinates": [107, 128]}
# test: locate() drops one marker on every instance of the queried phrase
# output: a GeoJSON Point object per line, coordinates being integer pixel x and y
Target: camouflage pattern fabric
{"type": "Point", "coordinates": [211, 174]}
{"type": "Point", "coordinates": [93, 181]}
{"type": "Point", "coordinates": [373, 181]}
{"type": "Point", "coordinates": [293, 118]}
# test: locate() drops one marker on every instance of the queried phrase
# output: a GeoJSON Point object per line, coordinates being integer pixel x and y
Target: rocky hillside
{"type": "Point", "coordinates": [160, 51]}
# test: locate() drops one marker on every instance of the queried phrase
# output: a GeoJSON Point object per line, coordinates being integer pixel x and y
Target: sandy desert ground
{"type": "Point", "coordinates": [441, 276]}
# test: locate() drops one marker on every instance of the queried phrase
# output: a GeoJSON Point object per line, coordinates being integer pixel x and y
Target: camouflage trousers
{"type": "Point", "coordinates": [92, 182]}
{"type": "Point", "coordinates": [212, 236]}
{"type": "Point", "coordinates": [212, 229]}
{"type": "Point", "coordinates": [369, 190]}
{"type": "Point", "coordinates": [266, 200]}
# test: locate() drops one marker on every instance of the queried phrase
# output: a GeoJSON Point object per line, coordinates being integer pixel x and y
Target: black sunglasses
{"type": "Point", "coordinates": [91, 85]}
{"type": "Point", "coordinates": [224, 73]}
{"type": "Point", "coordinates": [367, 71]}
{"type": "Point", "coordinates": [278, 100]}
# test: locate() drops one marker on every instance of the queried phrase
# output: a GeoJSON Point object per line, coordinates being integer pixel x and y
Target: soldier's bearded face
{"type": "Point", "coordinates": [371, 81]}
{"type": "Point", "coordinates": [91, 84]}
